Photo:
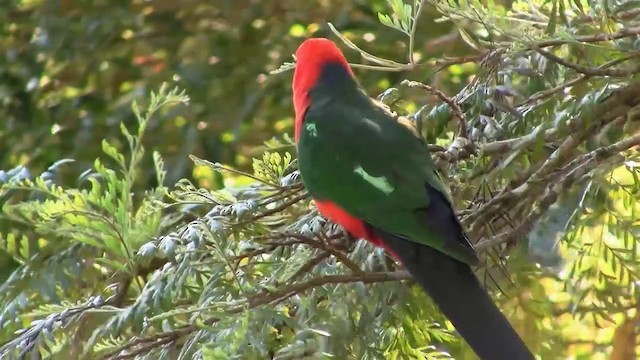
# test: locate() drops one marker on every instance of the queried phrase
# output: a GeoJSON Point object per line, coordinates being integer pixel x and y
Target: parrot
{"type": "Point", "coordinates": [371, 173]}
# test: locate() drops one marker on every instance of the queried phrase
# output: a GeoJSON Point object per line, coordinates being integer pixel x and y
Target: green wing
{"type": "Point", "coordinates": [358, 156]}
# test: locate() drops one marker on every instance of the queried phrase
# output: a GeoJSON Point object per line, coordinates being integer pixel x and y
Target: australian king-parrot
{"type": "Point", "coordinates": [372, 174]}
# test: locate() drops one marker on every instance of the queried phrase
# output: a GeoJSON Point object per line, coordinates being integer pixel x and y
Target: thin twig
{"type": "Point", "coordinates": [550, 92]}
{"type": "Point", "coordinates": [600, 37]}
{"type": "Point", "coordinates": [589, 71]}
{"type": "Point", "coordinates": [275, 210]}
{"type": "Point", "coordinates": [310, 264]}
{"type": "Point", "coordinates": [455, 108]}
{"type": "Point", "coordinates": [344, 259]}
{"type": "Point", "coordinates": [414, 25]}
{"type": "Point", "coordinates": [448, 61]}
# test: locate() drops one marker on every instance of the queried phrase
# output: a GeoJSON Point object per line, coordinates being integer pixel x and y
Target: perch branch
{"type": "Point", "coordinates": [144, 344]}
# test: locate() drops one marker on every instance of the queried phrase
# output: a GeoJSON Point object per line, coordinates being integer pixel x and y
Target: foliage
{"type": "Point", "coordinates": [540, 143]}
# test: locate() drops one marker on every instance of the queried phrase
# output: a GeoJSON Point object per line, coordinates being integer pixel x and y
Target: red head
{"type": "Point", "coordinates": [311, 56]}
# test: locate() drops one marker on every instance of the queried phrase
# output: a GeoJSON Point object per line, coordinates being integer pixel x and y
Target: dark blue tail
{"type": "Point", "coordinates": [460, 296]}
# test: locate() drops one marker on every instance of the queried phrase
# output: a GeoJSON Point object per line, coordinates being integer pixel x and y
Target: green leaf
{"type": "Point", "coordinates": [468, 38]}
{"type": "Point", "coordinates": [385, 20]}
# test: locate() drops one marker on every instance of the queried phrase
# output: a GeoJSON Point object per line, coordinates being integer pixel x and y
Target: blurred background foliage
{"type": "Point", "coordinates": [70, 69]}
{"type": "Point", "coordinates": [181, 258]}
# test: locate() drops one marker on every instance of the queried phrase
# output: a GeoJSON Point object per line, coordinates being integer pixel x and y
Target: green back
{"type": "Point", "coordinates": [357, 155]}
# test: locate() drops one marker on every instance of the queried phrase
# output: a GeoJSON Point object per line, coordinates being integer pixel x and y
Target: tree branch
{"type": "Point", "coordinates": [141, 345]}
